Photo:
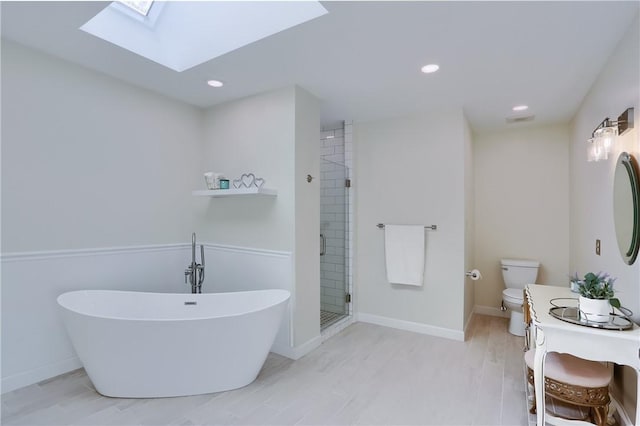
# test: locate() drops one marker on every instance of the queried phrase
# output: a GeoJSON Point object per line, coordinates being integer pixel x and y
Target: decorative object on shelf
{"type": "Point", "coordinates": [213, 180]}
{"type": "Point", "coordinates": [224, 183]}
{"type": "Point", "coordinates": [247, 180]}
{"type": "Point", "coordinates": [209, 180]}
{"type": "Point", "coordinates": [596, 296]}
{"type": "Point", "coordinates": [244, 181]}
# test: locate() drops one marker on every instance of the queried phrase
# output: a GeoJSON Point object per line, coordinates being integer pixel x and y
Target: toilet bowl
{"type": "Point", "coordinates": [517, 273]}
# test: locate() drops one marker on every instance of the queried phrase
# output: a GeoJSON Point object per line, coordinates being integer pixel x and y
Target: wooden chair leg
{"type": "Point", "coordinates": [600, 415]}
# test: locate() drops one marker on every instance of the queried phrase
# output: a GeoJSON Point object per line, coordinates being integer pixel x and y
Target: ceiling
{"type": "Point", "coordinates": [363, 59]}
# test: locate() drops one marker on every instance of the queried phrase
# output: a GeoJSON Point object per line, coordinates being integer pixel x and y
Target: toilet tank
{"type": "Point", "coordinates": [519, 272]}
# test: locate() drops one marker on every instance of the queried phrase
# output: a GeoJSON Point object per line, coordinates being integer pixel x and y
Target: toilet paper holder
{"type": "Point", "coordinates": [474, 274]}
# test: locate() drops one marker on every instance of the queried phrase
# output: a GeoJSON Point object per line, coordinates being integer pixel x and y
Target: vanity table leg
{"type": "Point", "coordinates": [538, 376]}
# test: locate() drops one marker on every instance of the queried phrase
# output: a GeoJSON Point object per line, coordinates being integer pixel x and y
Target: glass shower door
{"type": "Point", "coordinates": [333, 238]}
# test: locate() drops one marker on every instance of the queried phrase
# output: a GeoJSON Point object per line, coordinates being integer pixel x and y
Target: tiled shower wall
{"type": "Point", "coordinates": [333, 221]}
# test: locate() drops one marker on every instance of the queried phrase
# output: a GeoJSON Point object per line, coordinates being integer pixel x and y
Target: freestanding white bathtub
{"type": "Point", "coordinates": [149, 345]}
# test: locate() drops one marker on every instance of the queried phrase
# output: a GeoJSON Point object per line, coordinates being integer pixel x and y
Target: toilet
{"type": "Point", "coordinates": [517, 273]}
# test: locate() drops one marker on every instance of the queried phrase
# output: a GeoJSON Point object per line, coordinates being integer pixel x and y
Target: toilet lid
{"type": "Point", "coordinates": [513, 295]}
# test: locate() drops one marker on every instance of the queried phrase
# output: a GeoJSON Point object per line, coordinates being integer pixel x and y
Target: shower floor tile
{"type": "Point", "coordinates": [327, 318]}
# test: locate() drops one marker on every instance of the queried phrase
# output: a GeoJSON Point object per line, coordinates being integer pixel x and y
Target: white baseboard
{"type": "Point", "coordinates": [468, 324]}
{"type": "Point", "coordinates": [491, 311]}
{"type": "Point", "coordinates": [297, 352]}
{"type": "Point", "coordinates": [336, 328]}
{"type": "Point", "coordinates": [20, 380]}
{"type": "Point", "coordinates": [415, 327]}
{"type": "Point", "coordinates": [300, 351]}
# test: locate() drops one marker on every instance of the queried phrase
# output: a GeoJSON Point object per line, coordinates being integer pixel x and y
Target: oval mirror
{"type": "Point", "coordinates": [626, 200]}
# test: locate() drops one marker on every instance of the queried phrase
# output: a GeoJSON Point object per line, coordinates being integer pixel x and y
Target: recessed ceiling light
{"type": "Point", "coordinates": [428, 69]}
{"type": "Point", "coordinates": [520, 108]}
{"type": "Point", "coordinates": [215, 83]}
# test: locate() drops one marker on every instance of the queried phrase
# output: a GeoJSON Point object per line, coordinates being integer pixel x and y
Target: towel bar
{"type": "Point", "coordinates": [432, 227]}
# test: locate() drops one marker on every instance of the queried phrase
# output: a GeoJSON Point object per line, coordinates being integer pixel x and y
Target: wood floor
{"type": "Point", "coordinates": [365, 375]}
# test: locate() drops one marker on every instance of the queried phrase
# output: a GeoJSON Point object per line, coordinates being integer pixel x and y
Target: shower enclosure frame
{"type": "Point", "coordinates": [336, 227]}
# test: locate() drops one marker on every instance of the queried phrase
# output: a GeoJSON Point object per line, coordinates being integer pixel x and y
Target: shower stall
{"type": "Point", "coordinates": [335, 294]}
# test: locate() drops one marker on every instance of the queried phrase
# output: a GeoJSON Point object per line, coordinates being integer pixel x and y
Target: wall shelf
{"type": "Point", "coordinates": [237, 192]}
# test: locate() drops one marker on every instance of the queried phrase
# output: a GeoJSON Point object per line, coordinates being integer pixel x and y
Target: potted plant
{"type": "Point", "coordinates": [596, 296]}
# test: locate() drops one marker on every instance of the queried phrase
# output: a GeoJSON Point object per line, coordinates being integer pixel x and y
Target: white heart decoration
{"type": "Point", "coordinates": [258, 182]}
{"type": "Point", "coordinates": [237, 183]}
{"type": "Point", "coordinates": [248, 180]}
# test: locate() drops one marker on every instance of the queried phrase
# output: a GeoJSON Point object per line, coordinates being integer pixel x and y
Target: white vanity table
{"type": "Point", "coordinates": [554, 335]}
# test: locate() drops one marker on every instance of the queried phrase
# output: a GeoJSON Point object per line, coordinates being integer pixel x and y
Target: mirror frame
{"type": "Point", "coordinates": [630, 254]}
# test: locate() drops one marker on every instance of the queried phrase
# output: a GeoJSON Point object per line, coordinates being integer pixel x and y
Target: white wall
{"type": "Point", "coordinates": [269, 134]}
{"type": "Point", "coordinates": [307, 219]}
{"type": "Point", "coordinates": [469, 222]}
{"type": "Point", "coordinates": [35, 345]}
{"type": "Point", "coordinates": [88, 161]}
{"type": "Point", "coordinates": [257, 135]}
{"type": "Point", "coordinates": [410, 170]}
{"type": "Point", "coordinates": [616, 89]}
{"type": "Point", "coordinates": [521, 205]}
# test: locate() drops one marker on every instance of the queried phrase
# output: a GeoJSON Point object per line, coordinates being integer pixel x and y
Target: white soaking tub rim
{"type": "Point", "coordinates": [284, 296]}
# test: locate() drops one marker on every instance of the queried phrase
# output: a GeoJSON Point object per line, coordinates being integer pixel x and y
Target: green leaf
{"type": "Point", "coordinates": [614, 302]}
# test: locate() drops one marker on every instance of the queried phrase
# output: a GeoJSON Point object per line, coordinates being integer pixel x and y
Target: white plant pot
{"type": "Point", "coordinates": [596, 310]}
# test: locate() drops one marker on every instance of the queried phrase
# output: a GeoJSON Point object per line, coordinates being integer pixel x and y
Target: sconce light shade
{"type": "Point", "coordinates": [607, 135]}
{"type": "Point", "coordinates": [596, 150]}
{"type": "Point", "coordinates": [601, 143]}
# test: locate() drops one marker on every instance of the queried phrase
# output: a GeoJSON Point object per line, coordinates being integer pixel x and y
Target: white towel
{"type": "Point", "coordinates": [404, 254]}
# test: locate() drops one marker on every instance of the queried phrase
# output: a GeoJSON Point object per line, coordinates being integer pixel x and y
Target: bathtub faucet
{"type": "Point", "coordinates": [195, 271]}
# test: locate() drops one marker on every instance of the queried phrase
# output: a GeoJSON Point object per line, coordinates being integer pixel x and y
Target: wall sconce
{"type": "Point", "coordinates": [599, 145]}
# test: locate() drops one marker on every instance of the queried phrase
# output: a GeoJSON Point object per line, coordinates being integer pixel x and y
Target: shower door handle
{"type": "Point", "coordinates": [323, 245]}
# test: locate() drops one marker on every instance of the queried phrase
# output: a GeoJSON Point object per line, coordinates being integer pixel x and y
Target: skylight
{"type": "Point", "coordinates": [193, 32]}
{"type": "Point", "coordinates": [142, 7]}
